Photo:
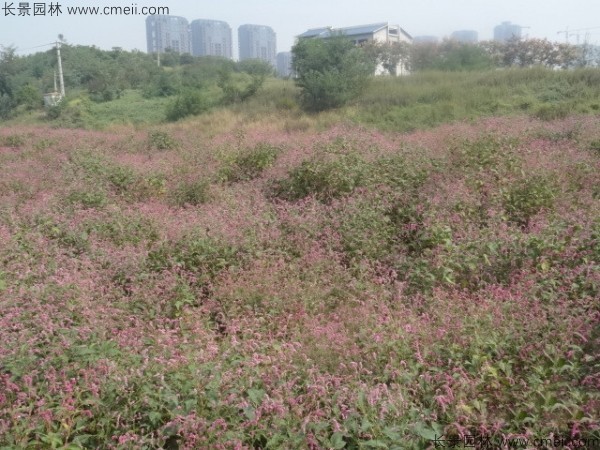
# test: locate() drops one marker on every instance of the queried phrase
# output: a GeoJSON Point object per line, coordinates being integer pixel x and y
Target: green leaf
{"type": "Point", "coordinates": [375, 444]}
{"type": "Point", "coordinates": [425, 431]}
{"type": "Point", "coordinates": [250, 413]}
{"type": "Point", "coordinates": [337, 440]}
{"type": "Point", "coordinates": [256, 395]}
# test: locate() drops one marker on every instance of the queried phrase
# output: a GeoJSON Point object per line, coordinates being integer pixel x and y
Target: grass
{"type": "Point", "coordinates": [130, 108]}
{"type": "Point", "coordinates": [255, 277]}
{"type": "Point", "coordinates": [418, 101]}
{"type": "Point", "coordinates": [430, 99]}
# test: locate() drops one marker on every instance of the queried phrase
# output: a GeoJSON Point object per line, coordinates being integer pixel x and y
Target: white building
{"type": "Point", "coordinates": [284, 64]}
{"type": "Point", "coordinates": [167, 33]}
{"type": "Point", "coordinates": [257, 42]}
{"type": "Point", "coordinates": [379, 32]}
{"type": "Point", "coordinates": [211, 38]}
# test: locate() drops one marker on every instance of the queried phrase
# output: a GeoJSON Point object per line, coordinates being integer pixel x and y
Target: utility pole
{"type": "Point", "coordinates": [60, 71]}
{"type": "Point", "coordinates": [568, 33]}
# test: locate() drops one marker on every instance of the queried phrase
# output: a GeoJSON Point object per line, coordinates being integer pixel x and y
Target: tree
{"type": "Point", "coordinates": [423, 55]}
{"type": "Point", "coordinates": [7, 63]}
{"type": "Point", "coordinates": [330, 72]}
{"type": "Point", "coordinates": [255, 67]}
{"type": "Point", "coordinates": [238, 89]}
{"type": "Point", "coordinates": [450, 55]}
{"type": "Point", "coordinates": [389, 55]}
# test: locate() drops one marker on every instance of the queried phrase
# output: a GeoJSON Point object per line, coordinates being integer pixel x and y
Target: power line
{"type": "Point", "coordinates": [19, 50]}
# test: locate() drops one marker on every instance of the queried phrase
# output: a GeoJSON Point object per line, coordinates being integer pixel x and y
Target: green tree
{"type": "Point", "coordinates": [330, 72]}
{"type": "Point", "coordinates": [7, 70]}
{"type": "Point", "coordinates": [455, 56]}
{"type": "Point", "coordinates": [240, 88]}
{"type": "Point", "coordinates": [450, 56]}
{"type": "Point", "coordinates": [189, 102]}
{"type": "Point", "coordinates": [29, 96]}
{"type": "Point", "coordinates": [256, 67]}
{"type": "Point", "coordinates": [391, 56]}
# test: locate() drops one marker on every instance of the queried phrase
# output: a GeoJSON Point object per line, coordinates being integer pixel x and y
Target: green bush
{"type": "Point", "coordinates": [121, 179]}
{"type": "Point", "coordinates": [188, 103]}
{"type": "Point", "coordinates": [330, 72]}
{"type": "Point", "coordinates": [194, 192]}
{"type": "Point", "coordinates": [13, 140]}
{"type": "Point", "coordinates": [526, 198]}
{"type": "Point", "coordinates": [29, 96]}
{"type": "Point", "coordinates": [122, 230]}
{"type": "Point", "coordinates": [595, 146]}
{"type": "Point", "coordinates": [366, 230]}
{"type": "Point", "coordinates": [325, 179]}
{"type": "Point", "coordinates": [550, 112]}
{"type": "Point", "coordinates": [7, 106]}
{"type": "Point", "coordinates": [239, 89]}
{"type": "Point", "coordinates": [396, 172]}
{"type": "Point", "coordinates": [72, 239]}
{"type": "Point", "coordinates": [161, 140]}
{"type": "Point", "coordinates": [249, 164]}
{"type": "Point", "coordinates": [88, 199]}
{"type": "Point", "coordinates": [204, 256]}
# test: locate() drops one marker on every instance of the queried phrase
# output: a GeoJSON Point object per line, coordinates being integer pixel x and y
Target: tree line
{"type": "Point", "coordinates": [103, 75]}
{"type": "Point", "coordinates": [332, 71]}
{"type": "Point", "coordinates": [329, 72]}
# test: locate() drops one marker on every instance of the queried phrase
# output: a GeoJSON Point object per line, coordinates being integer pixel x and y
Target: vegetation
{"type": "Point", "coordinates": [183, 86]}
{"type": "Point", "coordinates": [420, 263]}
{"type": "Point", "coordinates": [330, 72]}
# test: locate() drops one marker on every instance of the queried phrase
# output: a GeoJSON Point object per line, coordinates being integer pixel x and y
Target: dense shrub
{"type": "Point", "coordinates": [552, 111]}
{"type": "Point", "coordinates": [330, 72]}
{"type": "Point", "coordinates": [191, 192]}
{"type": "Point", "coordinates": [202, 256]}
{"type": "Point", "coordinates": [161, 140]}
{"type": "Point", "coordinates": [187, 103]}
{"type": "Point", "coordinates": [95, 198]}
{"type": "Point", "coordinates": [527, 197]}
{"type": "Point", "coordinates": [249, 164]}
{"type": "Point", "coordinates": [325, 179]}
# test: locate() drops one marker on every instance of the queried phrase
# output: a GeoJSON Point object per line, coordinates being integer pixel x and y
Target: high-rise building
{"type": "Point", "coordinates": [167, 33]}
{"type": "Point", "coordinates": [257, 42]}
{"type": "Point", "coordinates": [465, 36]}
{"type": "Point", "coordinates": [506, 31]}
{"type": "Point", "coordinates": [284, 64]}
{"type": "Point", "coordinates": [211, 38]}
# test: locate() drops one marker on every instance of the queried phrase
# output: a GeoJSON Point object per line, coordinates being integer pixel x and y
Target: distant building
{"type": "Point", "coordinates": [465, 36]}
{"type": "Point", "coordinates": [211, 38]}
{"type": "Point", "coordinates": [506, 31]}
{"type": "Point", "coordinates": [167, 33]}
{"type": "Point", "coordinates": [284, 64]}
{"type": "Point", "coordinates": [426, 39]}
{"type": "Point", "coordinates": [257, 42]}
{"type": "Point", "coordinates": [378, 32]}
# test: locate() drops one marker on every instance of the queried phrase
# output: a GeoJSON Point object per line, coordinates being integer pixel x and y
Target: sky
{"type": "Point", "coordinates": [544, 19]}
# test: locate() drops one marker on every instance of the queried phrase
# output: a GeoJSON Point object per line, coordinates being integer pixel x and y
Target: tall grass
{"type": "Point", "coordinates": [417, 101]}
{"type": "Point", "coordinates": [428, 99]}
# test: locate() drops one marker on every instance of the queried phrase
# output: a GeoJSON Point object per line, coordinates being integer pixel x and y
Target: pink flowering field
{"type": "Point", "coordinates": [268, 289]}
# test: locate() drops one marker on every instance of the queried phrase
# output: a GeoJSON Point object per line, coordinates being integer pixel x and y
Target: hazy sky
{"type": "Point", "coordinates": [291, 17]}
